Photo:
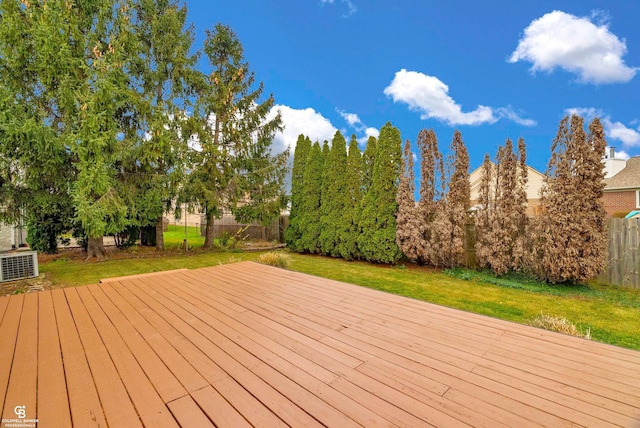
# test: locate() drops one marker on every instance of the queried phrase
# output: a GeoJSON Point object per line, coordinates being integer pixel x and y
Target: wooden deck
{"type": "Point", "coordinates": [250, 345]}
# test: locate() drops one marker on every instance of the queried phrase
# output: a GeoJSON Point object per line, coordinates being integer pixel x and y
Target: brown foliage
{"type": "Point", "coordinates": [408, 234]}
{"type": "Point", "coordinates": [501, 219]}
{"type": "Point", "coordinates": [451, 217]}
{"type": "Point", "coordinates": [431, 190]}
{"type": "Point", "coordinates": [570, 235]}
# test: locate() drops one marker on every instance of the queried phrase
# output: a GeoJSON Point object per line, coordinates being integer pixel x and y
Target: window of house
{"type": "Point", "coordinates": [637, 198]}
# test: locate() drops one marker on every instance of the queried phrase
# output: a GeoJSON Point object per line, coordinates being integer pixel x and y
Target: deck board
{"type": "Point", "coordinates": [86, 409]}
{"type": "Point", "coordinates": [250, 345]}
{"type": "Point", "coordinates": [24, 370]}
{"type": "Point", "coordinates": [53, 403]}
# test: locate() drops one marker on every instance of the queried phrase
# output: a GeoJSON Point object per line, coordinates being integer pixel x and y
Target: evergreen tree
{"type": "Point", "coordinates": [569, 234]}
{"type": "Point", "coordinates": [521, 219]}
{"type": "Point", "coordinates": [408, 235]}
{"type": "Point", "coordinates": [484, 215]}
{"type": "Point", "coordinates": [36, 166]}
{"type": "Point", "coordinates": [234, 169]}
{"type": "Point", "coordinates": [450, 222]}
{"type": "Point", "coordinates": [593, 237]}
{"type": "Point", "coordinates": [368, 159]}
{"type": "Point", "coordinates": [334, 196]}
{"type": "Point", "coordinates": [501, 221]}
{"type": "Point", "coordinates": [162, 74]}
{"type": "Point", "coordinates": [311, 201]}
{"type": "Point", "coordinates": [377, 241]}
{"type": "Point", "coordinates": [348, 227]}
{"type": "Point", "coordinates": [65, 74]}
{"type": "Point", "coordinates": [431, 193]}
{"type": "Point", "coordinates": [300, 156]}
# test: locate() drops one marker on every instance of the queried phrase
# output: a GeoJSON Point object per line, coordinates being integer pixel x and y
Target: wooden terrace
{"type": "Point", "coordinates": [245, 345]}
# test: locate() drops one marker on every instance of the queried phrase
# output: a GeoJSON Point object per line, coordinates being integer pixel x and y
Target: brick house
{"type": "Point", "coordinates": [622, 191]}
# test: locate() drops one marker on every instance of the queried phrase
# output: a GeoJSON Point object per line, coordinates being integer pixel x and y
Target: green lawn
{"type": "Point", "coordinates": [611, 313]}
{"type": "Point", "coordinates": [175, 235]}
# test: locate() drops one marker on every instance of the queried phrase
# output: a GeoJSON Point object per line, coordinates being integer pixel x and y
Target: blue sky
{"type": "Point", "coordinates": [492, 69]}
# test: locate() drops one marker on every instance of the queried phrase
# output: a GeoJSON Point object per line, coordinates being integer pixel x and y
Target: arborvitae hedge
{"type": "Point", "coordinates": [501, 218]}
{"type": "Point", "coordinates": [569, 234]}
{"type": "Point", "coordinates": [409, 234]}
{"type": "Point", "coordinates": [452, 212]}
{"type": "Point", "coordinates": [347, 231]}
{"type": "Point", "coordinates": [334, 198]}
{"type": "Point", "coordinates": [293, 234]}
{"type": "Point", "coordinates": [311, 201]}
{"type": "Point", "coordinates": [377, 240]}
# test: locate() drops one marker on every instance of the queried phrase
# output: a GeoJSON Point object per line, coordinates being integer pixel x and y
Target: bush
{"type": "Point", "coordinates": [127, 238]}
{"type": "Point", "coordinates": [560, 325]}
{"type": "Point", "coordinates": [275, 258]}
{"type": "Point", "coordinates": [620, 214]}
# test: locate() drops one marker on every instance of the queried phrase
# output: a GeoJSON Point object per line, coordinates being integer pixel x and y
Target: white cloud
{"type": "Point", "coordinates": [575, 44]}
{"type": "Point", "coordinates": [372, 132]}
{"type": "Point", "coordinates": [429, 96]}
{"type": "Point", "coordinates": [354, 121]}
{"type": "Point", "coordinates": [300, 121]}
{"type": "Point", "coordinates": [351, 118]}
{"type": "Point", "coordinates": [588, 113]}
{"type": "Point", "coordinates": [614, 130]}
{"type": "Point", "coordinates": [510, 114]}
{"type": "Point", "coordinates": [618, 131]}
{"type": "Point", "coordinates": [351, 8]}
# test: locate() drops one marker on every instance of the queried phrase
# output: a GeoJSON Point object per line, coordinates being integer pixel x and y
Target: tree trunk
{"type": "Point", "coordinates": [160, 234]}
{"type": "Point", "coordinates": [95, 248]}
{"type": "Point", "coordinates": [208, 238]}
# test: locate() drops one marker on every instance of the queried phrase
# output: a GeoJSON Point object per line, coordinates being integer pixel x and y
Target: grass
{"type": "Point", "coordinates": [611, 314]}
{"type": "Point", "coordinates": [174, 236]}
{"type": "Point", "coordinates": [275, 258]}
{"type": "Point", "coordinates": [560, 325]}
{"type": "Point", "coordinates": [64, 272]}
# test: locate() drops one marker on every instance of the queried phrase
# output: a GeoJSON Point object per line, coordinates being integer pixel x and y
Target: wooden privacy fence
{"type": "Point", "coordinates": [623, 256]}
{"type": "Point", "coordinates": [254, 231]}
{"type": "Point", "coordinates": [623, 264]}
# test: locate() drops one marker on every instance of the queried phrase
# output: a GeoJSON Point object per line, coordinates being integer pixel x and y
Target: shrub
{"type": "Point", "coordinates": [620, 214]}
{"type": "Point", "coordinates": [560, 325]}
{"type": "Point", "coordinates": [275, 258]}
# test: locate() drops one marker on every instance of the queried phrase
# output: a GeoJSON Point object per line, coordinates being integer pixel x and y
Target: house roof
{"type": "Point", "coordinates": [628, 178]}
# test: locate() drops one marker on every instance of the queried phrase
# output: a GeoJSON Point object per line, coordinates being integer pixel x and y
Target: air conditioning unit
{"type": "Point", "coordinates": [20, 265]}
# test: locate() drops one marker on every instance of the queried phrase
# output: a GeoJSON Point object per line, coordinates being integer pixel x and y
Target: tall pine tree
{"type": "Point", "coordinates": [234, 169]}
{"type": "Point", "coordinates": [378, 219]}
{"type": "Point", "coordinates": [162, 73]}
{"type": "Point", "coordinates": [65, 93]}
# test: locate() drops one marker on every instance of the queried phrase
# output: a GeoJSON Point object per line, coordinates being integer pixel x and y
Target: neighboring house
{"type": "Point", "coordinates": [612, 165]}
{"type": "Point", "coordinates": [12, 237]}
{"type": "Point", "coordinates": [622, 191]}
{"type": "Point", "coordinates": [535, 180]}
